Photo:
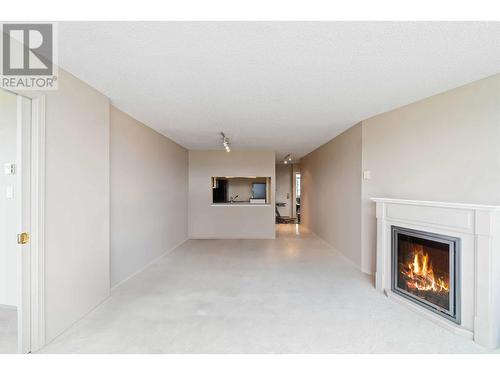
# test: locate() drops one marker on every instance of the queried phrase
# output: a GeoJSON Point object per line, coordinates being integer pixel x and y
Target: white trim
{"type": "Point", "coordinates": [230, 237]}
{"type": "Point", "coordinates": [24, 223]}
{"type": "Point", "coordinates": [8, 307]}
{"type": "Point", "coordinates": [38, 224]}
{"type": "Point", "coordinates": [437, 204]}
{"type": "Point", "coordinates": [147, 265]}
{"type": "Point", "coordinates": [31, 265]}
{"type": "Point", "coordinates": [328, 244]}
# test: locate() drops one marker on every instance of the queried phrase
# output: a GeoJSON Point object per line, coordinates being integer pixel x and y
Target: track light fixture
{"type": "Point", "coordinates": [225, 142]}
{"type": "Point", "coordinates": [287, 159]}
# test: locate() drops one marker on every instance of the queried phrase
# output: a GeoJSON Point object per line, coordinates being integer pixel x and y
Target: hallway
{"type": "Point", "coordinates": [294, 294]}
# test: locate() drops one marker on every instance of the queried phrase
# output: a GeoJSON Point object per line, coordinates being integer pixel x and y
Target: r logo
{"type": "Point", "coordinates": [27, 49]}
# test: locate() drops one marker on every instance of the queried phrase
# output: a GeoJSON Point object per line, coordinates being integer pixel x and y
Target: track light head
{"type": "Point", "coordinates": [225, 142]}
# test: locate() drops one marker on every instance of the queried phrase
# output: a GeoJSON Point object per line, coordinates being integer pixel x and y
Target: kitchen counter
{"type": "Point", "coordinates": [240, 203]}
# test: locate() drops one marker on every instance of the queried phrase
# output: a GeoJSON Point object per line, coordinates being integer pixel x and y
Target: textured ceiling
{"type": "Point", "coordinates": [285, 86]}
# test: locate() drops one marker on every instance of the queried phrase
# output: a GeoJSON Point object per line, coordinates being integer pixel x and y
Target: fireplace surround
{"type": "Point", "coordinates": [463, 297]}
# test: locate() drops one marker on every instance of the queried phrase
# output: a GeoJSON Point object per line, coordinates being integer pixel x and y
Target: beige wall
{"type": "Point", "coordinates": [444, 148]}
{"type": "Point", "coordinates": [77, 202]}
{"type": "Point", "coordinates": [242, 187]}
{"type": "Point", "coordinates": [8, 206]}
{"type": "Point", "coordinates": [149, 183]}
{"type": "Point", "coordinates": [284, 187]}
{"type": "Point", "coordinates": [208, 221]}
{"type": "Point", "coordinates": [331, 192]}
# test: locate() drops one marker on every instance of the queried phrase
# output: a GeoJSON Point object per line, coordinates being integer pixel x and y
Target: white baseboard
{"type": "Point", "coordinates": [230, 238]}
{"type": "Point", "coordinates": [337, 250]}
{"type": "Point", "coordinates": [147, 265]}
{"type": "Point", "coordinates": [367, 271]}
{"type": "Point", "coordinates": [111, 291]}
{"type": "Point", "coordinates": [8, 307]}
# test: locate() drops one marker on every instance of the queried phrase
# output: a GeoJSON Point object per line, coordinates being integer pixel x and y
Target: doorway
{"type": "Point", "coordinates": [21, 222]}
{"type": "Point", "coordinates": [297, 196]}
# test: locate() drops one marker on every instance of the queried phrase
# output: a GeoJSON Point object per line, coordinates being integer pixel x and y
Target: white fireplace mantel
{"type": "Point", "coordinates": [478, 227]}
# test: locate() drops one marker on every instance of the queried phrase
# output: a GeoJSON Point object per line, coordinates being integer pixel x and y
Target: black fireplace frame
{"type": "Point", "coordinates": [454, 243]}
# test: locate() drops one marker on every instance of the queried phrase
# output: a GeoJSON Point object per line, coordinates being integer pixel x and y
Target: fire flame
{"type": "Point", "coordinates": [420, 275]}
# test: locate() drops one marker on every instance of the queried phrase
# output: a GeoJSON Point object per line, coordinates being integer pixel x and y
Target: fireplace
{"type": "Point", "coordinates": [425, 270]}
{"type": "Point", "coordinates": [467, 236]}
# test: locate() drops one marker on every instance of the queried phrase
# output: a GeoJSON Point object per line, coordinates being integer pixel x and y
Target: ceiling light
{"type": "Point", "coordinates": [225, 142]}
{"type": "Point", "coordinates": [287, 159]}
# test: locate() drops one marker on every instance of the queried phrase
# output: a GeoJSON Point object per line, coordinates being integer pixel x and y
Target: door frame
{"type": "Point", "coordinates": [31, 259]}
{"type": "Point", "coordinates": [37, 219]}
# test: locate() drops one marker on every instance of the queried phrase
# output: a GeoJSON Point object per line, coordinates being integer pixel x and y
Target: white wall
{"type": "Point", "coordinates": [77, 202]}
{"type": "Point", "coordinates": [8, 206]}
{"type": "Point", "coordinates": [443, 148]}
{"type": "Point", "coordinates": [284, 187]}
{"type": "Point", "coordinates": [208, 221]}
{"type": "Point", "coordinates": [331, 192]}
{"type": "Point", "coordinates": [149, 184]}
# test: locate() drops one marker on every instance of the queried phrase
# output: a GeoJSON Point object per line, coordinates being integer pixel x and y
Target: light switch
{"type": "Point", "coordinates": [367, 175]}
{"type": "Point", "coordinates": [9, 192]}
{"type": "Point", "coordinates": [9, 168]}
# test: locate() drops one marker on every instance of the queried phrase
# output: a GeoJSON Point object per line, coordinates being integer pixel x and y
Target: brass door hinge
{"type": "Point", "coordinates": [23, 238]}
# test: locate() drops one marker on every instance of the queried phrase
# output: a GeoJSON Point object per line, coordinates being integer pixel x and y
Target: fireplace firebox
{"type": "Point", "coordinates": [425, 270]}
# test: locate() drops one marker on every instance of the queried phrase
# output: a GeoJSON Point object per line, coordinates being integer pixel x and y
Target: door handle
{"type": "Point", "coordinates": [23, 238]}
